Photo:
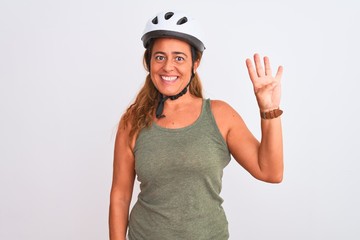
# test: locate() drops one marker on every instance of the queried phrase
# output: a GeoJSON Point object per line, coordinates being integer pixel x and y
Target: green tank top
{"type": "Point", "coordinates": [180, 172]}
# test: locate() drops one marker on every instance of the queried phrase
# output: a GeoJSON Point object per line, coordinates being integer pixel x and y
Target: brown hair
{"type": "Point", "coordinates": [141, 112]}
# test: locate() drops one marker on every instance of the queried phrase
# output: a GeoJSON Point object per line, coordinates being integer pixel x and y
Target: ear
{"type": "Point", "coordinates": [196, 65]}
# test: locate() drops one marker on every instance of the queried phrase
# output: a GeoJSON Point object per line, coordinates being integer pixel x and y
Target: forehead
{"type": "Point", "coordinates": [171, 45]}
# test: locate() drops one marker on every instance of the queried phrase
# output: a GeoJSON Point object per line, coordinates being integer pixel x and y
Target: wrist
{"type": "Point", "coordinates": [271, 114]}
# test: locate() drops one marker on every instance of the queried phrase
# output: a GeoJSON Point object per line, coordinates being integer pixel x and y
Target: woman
{"type": "Point", "coordinates": [178, 144]}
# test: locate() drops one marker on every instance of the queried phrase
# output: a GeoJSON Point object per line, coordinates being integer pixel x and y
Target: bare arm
{"type": "Point", "coordinates": [263, 160]}
{"type": "Point", "coordinates": [122, 185]}
{"type": "Point", "coordinates": [271, 150]}
{"type": "Point", "coordinates": [267, 90]}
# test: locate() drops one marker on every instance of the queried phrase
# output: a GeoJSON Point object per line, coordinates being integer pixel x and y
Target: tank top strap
{"type": "Point", "coordinates": [207, 121]}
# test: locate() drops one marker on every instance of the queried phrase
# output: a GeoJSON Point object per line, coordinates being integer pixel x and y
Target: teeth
{"type": "Point", "coordinates": [168, 78]}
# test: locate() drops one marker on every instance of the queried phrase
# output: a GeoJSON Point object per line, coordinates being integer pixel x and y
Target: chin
{"type": "Point", "coordinates": [169, 89]}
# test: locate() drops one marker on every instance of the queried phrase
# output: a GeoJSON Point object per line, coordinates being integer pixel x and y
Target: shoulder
{"type": "Point", "coordinates": [222, 108]}
{"type": "Point", "coordinates": [124, 136]}
{"type": "Point", "coordinates": [225, 116]}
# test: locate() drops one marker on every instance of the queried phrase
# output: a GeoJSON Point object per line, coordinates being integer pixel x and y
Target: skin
{"type": "Point", "coordinates": [171, 65]}
{"type": "Point", "coordinates": [171, 70]}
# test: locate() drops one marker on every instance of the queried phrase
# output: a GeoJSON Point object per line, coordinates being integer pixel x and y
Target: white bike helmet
{"type": "Point", "coordinates": [174, 24]}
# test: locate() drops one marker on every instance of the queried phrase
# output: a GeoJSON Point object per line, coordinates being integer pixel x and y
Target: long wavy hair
{"type": "Point", "coordinates": [140, 113]}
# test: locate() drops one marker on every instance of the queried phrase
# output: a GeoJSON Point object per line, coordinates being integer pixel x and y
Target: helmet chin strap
{"type": "Point", "coordinates": [160, 106]}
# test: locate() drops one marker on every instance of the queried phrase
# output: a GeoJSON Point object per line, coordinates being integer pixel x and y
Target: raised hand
{"type": "Point", "coordinates": [266, 87]}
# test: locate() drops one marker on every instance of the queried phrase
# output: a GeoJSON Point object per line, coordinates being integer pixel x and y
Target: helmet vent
{"type": "Point", "coordinates": [168, 15]}
{"type": "Point", "coordinates": [155, 20]}
{"type": "Point", "coordinates": [182, 21]}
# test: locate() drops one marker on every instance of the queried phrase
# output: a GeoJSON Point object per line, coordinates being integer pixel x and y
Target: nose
{"type": "Point", "coordinates": [168, 65]}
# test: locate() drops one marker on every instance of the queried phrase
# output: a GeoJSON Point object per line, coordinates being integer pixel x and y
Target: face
{"type": "Point", "coordinates": [171, 65]}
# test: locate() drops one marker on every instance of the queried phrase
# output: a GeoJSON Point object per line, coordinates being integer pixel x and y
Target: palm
{"type": "Point", "coordinates": [266, 87]}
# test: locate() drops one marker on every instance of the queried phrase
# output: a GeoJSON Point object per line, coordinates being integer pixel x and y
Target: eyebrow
{"type": "Point", "coordinates": [174, 53]}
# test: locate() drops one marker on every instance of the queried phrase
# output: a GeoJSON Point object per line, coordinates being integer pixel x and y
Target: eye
{"type": "Point", "coordinates": [179, 59]}
{"type": "Point", "coordinates": [159, 58]}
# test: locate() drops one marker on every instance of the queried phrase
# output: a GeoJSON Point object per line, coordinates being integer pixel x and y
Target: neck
{"type": "Point", "coordinates": [176, 99]}
{"type": "Point", "coordinates": [187, 97]}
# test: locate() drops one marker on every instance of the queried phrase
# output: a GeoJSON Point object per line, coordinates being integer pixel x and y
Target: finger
{"type": "Point", "coordinates": [251, 70]}
{"type": "Point", "coordinates": [267, 66]}
{"type": "Point", "coordinates": [279, 73]}
{"type": "Point", "coordinates": [258, 65]}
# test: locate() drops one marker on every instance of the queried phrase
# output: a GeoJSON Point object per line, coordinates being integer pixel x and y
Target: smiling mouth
{"type": "Point", "coordinates": [169, 78]}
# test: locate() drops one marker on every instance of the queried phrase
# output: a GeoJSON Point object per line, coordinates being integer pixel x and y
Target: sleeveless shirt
{"type": "Point", "coordinates": [180, 174]}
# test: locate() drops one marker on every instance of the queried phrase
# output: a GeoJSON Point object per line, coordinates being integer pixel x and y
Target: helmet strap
{"type": "Point", "coordinates": [160, 106]}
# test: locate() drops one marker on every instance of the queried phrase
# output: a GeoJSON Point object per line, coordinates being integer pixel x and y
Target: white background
{"type": "Point", "coordinates": [68, 70]}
